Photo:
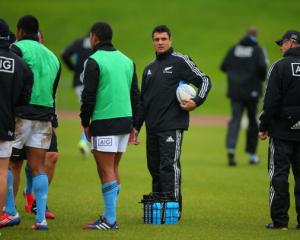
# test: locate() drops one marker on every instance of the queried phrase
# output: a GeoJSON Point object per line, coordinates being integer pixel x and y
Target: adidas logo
{"type": "Point", "coordinates": [296, 126]}
{"type": "Point", "coordinates": [170, 139]}
{"type": "Point", "coordinates": [168, 70]}
{"type": "Point", "coordinates": [149, 72]}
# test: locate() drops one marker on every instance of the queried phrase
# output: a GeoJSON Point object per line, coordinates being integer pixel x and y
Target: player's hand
{"type": "Point", "coordinates": [133, 137]}
{"type": "Point", "coordinates": [87, 133]}
{"type": "Point", "coordinates": [263, 135]}
{"type": "Point", "coordinates": [188, 105]}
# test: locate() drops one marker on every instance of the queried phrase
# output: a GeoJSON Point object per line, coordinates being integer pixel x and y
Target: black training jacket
{"type": "Point", "coordinates": [36, 112]}
{"type": "Point", "coordinates": [281, 109]}
{"type": "Point", "coordinates": [75, 55]}
{"type": "Point", "coordinates": [15, 86]}
{"type": "Point", "coordinates": [246, 66]}
{"type": "Point", "coordinates": [160, 108]}
{"type": "Point", "coordinates": [105, 127]}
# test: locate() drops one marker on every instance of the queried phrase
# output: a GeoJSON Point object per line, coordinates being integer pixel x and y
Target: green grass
{"type": "Point", "coordinates": [202, 29]}
{"type": "Point", "coordinates": [219, 202]}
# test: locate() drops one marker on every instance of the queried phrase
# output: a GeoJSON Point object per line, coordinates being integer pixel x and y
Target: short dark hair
{"type": "Point", "coordinates": [161, 29]}
{"type": "Point", "coordinates": [103, 31]}
{"type": "Point", "coordinates": [29, 24]}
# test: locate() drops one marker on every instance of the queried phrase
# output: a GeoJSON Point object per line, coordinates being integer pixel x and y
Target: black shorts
{"type": "Point", "coordinates": [20, 154]}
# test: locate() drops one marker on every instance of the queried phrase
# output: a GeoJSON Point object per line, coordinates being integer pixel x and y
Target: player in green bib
{"type": "Point", "coordinates": [35, 120]}
{"type": "Point", "coordinates": [110, 100]}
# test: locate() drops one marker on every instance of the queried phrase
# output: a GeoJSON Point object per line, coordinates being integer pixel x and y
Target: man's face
{"type": "Point", "coordinates": [19, 34]}
{"type": "Point", "coordinates": [161, 42]}
{"type": "Point", "coordinates": [94, 40]}
{"type": "Point", "coordinates": [286, 45]}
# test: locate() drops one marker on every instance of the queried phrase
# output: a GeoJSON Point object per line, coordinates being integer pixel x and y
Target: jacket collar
{"type": "Point", "coordinates": [4, 44]}
{"type": "Point", "coordinates": [293, 52]}
{"type": "Point", "coordinates": [106, 46]}
{"type": "Point", "coordinates": [33, 37]}
{"type": "Point", "coordinates": [164, 55]}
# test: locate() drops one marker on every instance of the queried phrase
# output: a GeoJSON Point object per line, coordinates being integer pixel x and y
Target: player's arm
{"type": "Point", "coordinates": [22, 85]}
{"type": "Point", "coordinates": [272, 98]}
{"type": "Point", "coordinates": [134, 96]}
{"type": "Point", "coordinates": [67, 55]}
{"type": "Point", "coordinates": [227, 59]}
{"type": "Point", "coordinates": [135, 102]}
{"type": "Point", "coordinates": [192, 74]}
{"type": "Point", "coordinates": [90, 79]}
{"type": "Point", "coordinates": [262, 63]}
{"type": "Point", "coordinates": [140, 116]}
{"type": "Point", "coordinates": [54, 120]}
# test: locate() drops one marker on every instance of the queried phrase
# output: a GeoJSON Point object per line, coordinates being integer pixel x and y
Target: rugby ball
{"type": "Point", "coordinates": [185, 92]}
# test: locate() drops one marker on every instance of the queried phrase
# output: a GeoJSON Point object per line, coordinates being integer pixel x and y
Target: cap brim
{"type": "Point", "coordinates": [279, 42]}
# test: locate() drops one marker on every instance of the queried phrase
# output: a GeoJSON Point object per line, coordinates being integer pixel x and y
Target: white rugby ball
{"type": "Point", "coordinates": [185, 92]}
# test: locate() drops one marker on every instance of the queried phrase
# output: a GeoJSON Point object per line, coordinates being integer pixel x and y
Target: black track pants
{"type": "Point", "coordinates": [282, 155]}
{"type": "Point", "coordinates": [237, 108]}
{"type": "Point", "coordinates": [163, 160]}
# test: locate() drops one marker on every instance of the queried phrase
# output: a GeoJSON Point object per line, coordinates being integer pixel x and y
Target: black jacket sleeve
{"type": "Point", "coordinates": [27, 82]}
{"type": "Point", "coordinates": [226, 60]}
{"type": "Point", "coordinates": [272, 99]}
{"type": "Point", "coordinates": [68, 53]}
{"type": "Point", "coordinates": [55, 120]}
{"type": "Point", "coordinates": [140, 116]}
{"type": "Point", "coordinates": [192, 74]}
{"type": "Point", "coordinates": [90, 77]}
{"type": "Point", "coordinates": [134, 97]}
{"type": "Point", "coordinates": [262, 64]}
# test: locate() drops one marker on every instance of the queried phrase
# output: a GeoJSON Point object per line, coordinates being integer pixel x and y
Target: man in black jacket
{"type": "Point", "coordinates": [74, 56]}
{"type": "Point", "coordinates": [165, 118]}
{"type": "Point", "coordinates": [245, 65]}
{"type": "Point", "coordinates": [14, 77]}
{"type": "Point", "coordinates": [280, 120]}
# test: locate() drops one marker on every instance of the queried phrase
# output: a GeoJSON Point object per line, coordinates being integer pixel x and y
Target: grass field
{"type": "Point", "coordinates": [219, 202]}
{"type": "Point", "coordinates": [202, 29]}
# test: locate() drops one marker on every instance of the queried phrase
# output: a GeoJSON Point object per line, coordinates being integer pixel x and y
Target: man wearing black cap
{"type": "Point", "coordinates": [14, 75]}
{"type": "Point", "coordinates": [280, 120]}
{"type": "Point", "coordinates": [246, 66]}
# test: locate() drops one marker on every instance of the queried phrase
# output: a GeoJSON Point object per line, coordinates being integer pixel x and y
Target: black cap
{"type": "Point", "coordinates": [5, 34]}
{"type": "Point", "coordinates": [291, 34]}
{"type": "Point", "coordinates": [4, 30]}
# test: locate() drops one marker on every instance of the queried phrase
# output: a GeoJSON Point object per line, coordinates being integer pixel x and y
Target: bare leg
{"type": "Point", "coordinates": [50, 163]}
{"type": "Point", "coordinates": [105, 166]}
{"type": "Point", "coordinates": [36, 160]}
{"type": "Point", "coordinates": [116, 166]}
{"type": "Point", "coordinates": [16, 167]}
{"type": "Point", "coordinates": [4, 162]}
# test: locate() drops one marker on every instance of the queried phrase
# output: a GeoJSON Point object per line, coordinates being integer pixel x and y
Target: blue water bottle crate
{"type": "Point", "coordinates": [160, 208]}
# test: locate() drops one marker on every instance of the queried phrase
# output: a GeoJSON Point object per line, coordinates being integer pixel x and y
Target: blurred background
{"type": "Point", "coordinates": [202, 29]}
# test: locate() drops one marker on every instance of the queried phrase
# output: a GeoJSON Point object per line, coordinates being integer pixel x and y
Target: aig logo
{"type": "Point", "coordinates": [104, 142]}
{"type": "Point", "coordinates": [7, 65]}
{"type": "Point", "coordinates": [296, 69]}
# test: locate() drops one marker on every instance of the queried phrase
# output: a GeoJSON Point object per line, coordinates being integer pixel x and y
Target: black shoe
{"type": "Point", "coordinates": [48, 214]}
{"type": "Point", "coordinates": [34, 208]}
{"type": "Point", "coordinates": [231, 159]}
{"type": "Point", "coordinates": [273, 227]}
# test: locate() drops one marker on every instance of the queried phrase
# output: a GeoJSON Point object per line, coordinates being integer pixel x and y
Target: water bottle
{"type": "Point", "coordinates": [156, 213]}
{"type": "Point", "coordinates": [172, 213]}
